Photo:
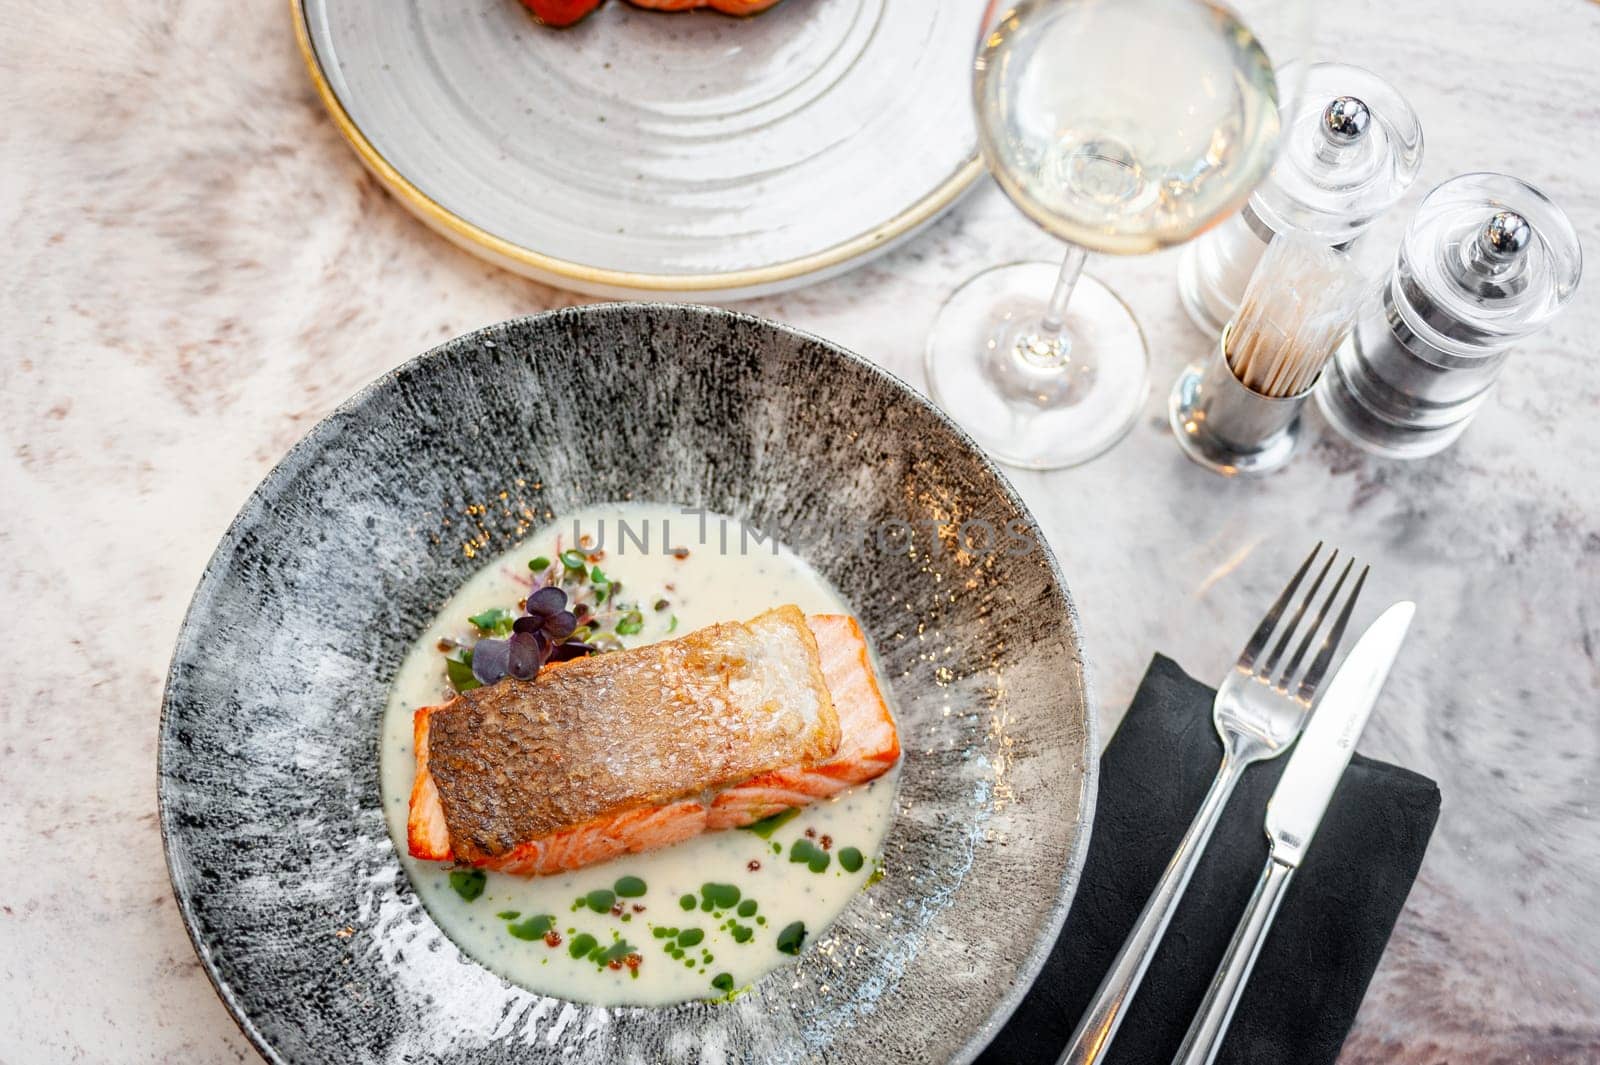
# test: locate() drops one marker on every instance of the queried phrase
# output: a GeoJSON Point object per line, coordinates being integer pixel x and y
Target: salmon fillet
{"type": "Point", "coordinates": [868, 747]}
{"type": "Point", "coordinates": [521, 760]}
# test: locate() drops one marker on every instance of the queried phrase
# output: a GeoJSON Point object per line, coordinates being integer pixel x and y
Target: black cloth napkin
{"type": "Point", "coordinates": [1330, 931]}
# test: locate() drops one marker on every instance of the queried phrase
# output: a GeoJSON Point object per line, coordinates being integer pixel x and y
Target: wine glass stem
{"type": "Point", "coordinates": [1054, 322]}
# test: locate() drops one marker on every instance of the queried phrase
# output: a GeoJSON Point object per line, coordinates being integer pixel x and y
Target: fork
{"type": "Point", "coordinates": [1257, 717]}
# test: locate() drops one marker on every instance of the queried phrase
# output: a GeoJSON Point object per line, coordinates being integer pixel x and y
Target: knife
{"type": "Point", "coordinates": [1293, 813]}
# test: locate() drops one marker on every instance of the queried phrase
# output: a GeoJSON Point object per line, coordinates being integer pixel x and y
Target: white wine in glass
{"type": "Point", "coordinates": [1124, 127]}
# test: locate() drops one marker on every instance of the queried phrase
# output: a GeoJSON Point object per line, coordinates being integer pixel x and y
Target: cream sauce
{"type": "Point", "coordinates": [711, 584]}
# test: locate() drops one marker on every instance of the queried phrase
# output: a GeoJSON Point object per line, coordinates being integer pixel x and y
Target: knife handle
{"type": "Point", "coordinates": [1205, 1035]}
{"type": "Point", "coordinates": [1091, 1040]}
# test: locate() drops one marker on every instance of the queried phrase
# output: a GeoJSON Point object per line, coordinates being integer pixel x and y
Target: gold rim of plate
{"type": "Point", "coordinates": [513, 256]}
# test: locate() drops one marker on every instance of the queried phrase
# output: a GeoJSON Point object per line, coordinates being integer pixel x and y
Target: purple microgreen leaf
{"type": "Point", "coordinates": [560, 625]}
{"type": "Point", "coordinates": [546, 601]}
{"type": "Point", "coordinates": [528, 651]}
{"type": "Point", "coordinates": [490, 660]}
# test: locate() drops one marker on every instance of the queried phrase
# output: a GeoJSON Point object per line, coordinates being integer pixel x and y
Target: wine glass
{"type": "Point", "coordinates": [1124, 127]}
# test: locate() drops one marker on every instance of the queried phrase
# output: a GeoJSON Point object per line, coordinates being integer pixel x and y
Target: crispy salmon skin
{"type": "Point", "coordinates": [867, 746]}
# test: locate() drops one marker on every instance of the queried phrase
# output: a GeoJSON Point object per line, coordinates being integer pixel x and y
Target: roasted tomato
{"type": "Point", "coordinates": [560, 12]}
{"type": "Point", "coordinates": [566, 12]}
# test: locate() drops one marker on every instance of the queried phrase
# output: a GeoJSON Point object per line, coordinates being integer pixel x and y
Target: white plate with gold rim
{"type": "Point", "coordinates": [643, 152]}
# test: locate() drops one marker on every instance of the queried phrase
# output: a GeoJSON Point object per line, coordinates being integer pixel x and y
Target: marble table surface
{"type": "Point", "coordinates": [199, 270]}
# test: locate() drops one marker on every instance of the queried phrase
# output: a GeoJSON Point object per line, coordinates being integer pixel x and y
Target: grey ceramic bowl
{"type": "Point", "coordinates": [275, 839]}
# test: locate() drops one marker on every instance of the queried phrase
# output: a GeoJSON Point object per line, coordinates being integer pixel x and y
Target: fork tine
{"type": "Point", "coordinates": [1319, 665]}
{"type": "Point", "coordinates": [1311, 631]}
{"type": "Point", "coordinates": [1263, 633]}
{"type": "Point", "coordinates": [1271, 664]}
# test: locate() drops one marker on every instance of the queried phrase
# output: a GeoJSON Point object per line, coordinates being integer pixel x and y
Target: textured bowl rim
{"type": "Point", "coordinates": [1089, 770]}
{"type": "Point", "coordinates": [529, 262]}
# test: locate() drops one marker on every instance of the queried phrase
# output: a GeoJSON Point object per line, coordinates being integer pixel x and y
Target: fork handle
{"type": "Point", "coordinates": [1205, 1035]}
{"type": "Point", "coordinates": [1091, 1040]}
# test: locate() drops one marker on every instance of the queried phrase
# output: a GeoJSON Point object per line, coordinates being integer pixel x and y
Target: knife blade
{"type": "Point", "coordinates": [1319, 759]}
{"type": "Point", "coordinates": [1293, 814]}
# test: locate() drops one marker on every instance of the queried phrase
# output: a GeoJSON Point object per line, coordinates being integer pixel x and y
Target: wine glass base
{"type": "Point", "coordinates": [1023, 409]}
